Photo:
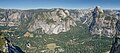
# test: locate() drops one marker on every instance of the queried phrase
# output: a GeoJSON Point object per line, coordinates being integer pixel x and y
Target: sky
{"type": "Point", "coordinates": [68, 4]}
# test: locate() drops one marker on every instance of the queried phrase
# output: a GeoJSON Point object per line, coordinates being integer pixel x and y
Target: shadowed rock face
{"type": "Point", "coordinates": [115, 46]}
{"type": "Point", "coordinates": [118, 25]}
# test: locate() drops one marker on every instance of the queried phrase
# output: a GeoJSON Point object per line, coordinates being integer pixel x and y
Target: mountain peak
{"type": "Point", "coordinates": [98, 9]}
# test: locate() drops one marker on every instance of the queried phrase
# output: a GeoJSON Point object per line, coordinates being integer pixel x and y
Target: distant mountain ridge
{"type": "Point", "coordinates": [56, 20]}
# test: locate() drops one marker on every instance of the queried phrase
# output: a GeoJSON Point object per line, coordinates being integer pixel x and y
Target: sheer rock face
{"type": "Point", "coordinates": [102, 23]}
{"type": "Point", "coordinates": [58, 20]}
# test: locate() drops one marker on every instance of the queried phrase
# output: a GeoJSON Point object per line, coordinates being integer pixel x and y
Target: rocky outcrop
{"type": "Point", "coordinates": [28, 34]}
{"type": "Point", "coordinates": [115, 46]}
